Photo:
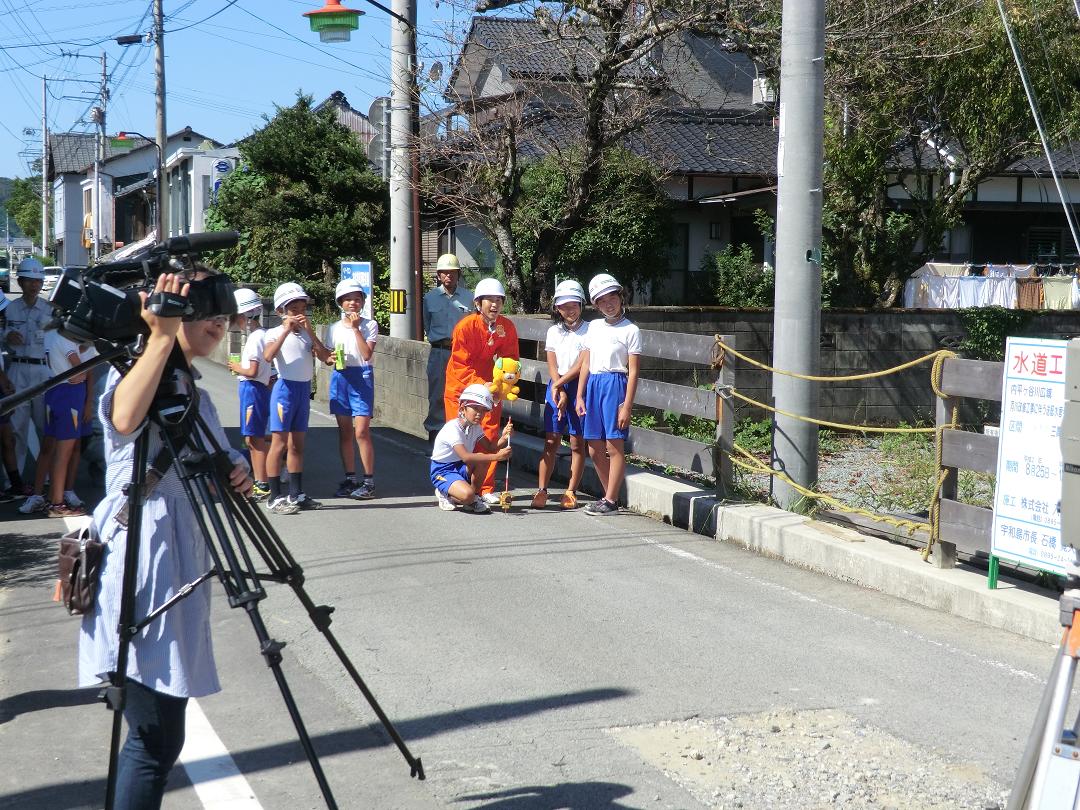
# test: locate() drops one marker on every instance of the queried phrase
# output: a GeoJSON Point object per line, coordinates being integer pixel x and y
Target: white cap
{"type": "Point", "coordinates": [349, 285]}
{"type": "Point", "coordinates": [567, 291]}
{"type": "Point", "coordinates": [477, 394]}
{"type": "Point", "coordinates": [246, 300]}
{"type": "Point", "coordinates": [602, 285]}
{"type": "Point", "coordinates": [31, 268]}
{"type": "Point", "coordinates": [289, 291]}
{"type": "Point", "coordinates": [489, 288]}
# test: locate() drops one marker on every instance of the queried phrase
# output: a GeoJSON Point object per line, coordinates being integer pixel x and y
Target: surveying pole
{"type": "Point", "coordinates": [797, 312]}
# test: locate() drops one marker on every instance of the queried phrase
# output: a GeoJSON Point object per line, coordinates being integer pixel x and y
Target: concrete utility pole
{"type": "Point", "coordinates": [98, 115]}
{"type": "Point", "coordinates": [44, 169]}
{"type": "Point", "coordinates": [162, 135]}
{"type": "Point", "coordinates": [797, 314]}
{"type": "Point", "coordinates": [403, 111]}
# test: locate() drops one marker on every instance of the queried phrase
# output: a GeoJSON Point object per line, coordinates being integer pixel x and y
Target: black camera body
{"type": "Point", "coordinates": [103, 302]}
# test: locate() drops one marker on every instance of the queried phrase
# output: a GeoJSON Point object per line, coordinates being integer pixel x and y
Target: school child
{"type": "Point", "coordinates": [352, 388]}
{"type": "Point", "coordinates": [16, 488]}
{"type": "Point", "coordinates": [290, 347]}
{"type": "Point", "coordinates": [605, 395]}
{"type": "Point", "coordinates": [67, 411]}
{"type": "Point", "coordinates": [457, 469]}
{"type": "Point", "coordinates": [254, 386]}
{"type": "Point", "coordinates": [564, 345]}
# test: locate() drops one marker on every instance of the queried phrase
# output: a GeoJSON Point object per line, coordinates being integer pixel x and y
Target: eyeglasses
{"type": "Point", "coordinates": [220, 320]}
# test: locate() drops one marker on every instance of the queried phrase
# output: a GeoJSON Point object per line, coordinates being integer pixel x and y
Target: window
{"type": "Point", "coordinates": [679, 252]}
{"type": "Point", "coordinates": [715, 231]}
{"type": "Point", "coordinates": [1044, 245]}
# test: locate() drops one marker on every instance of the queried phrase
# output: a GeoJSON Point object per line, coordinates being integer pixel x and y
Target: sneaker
{"type": "Point", "coordinates": [33, 505]}
{"type": "Point", "coordinates": [364, 492]}
{"type": "Point", "coordinates": [479, 506]}
{"type": "Point", "coordinates": [305, 503]}
{"type": "Point", "coordinates": [260, 491]}
{"type": "Point", "coordinates": [62, 510]}
{"type": "Point", "coordinates": [569, 500]}
{"type": "Point", "coordinates": [18, 493]}
{"type": "Point", "coordinates": [444, 503]}
{"type": "Point", "coordinates": [602, 507]}
{"type": "Point", "coordinates": [345, 488]}
{"type": "Point", "coordinates": [491, 498]}
{"type": "Point", "coordinates": [73, 500]}
{"type": "Point", "coordinates": [539, 500]}
{"type": "Point", "coordinates": [282, 506]}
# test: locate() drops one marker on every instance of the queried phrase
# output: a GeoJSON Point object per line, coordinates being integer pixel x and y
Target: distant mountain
{"type": "Point", "coordinates": [5, 192]}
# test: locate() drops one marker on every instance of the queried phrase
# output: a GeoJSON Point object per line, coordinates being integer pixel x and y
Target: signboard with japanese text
{"type": "Point", "coordinates": [361, 271]}
{"type": "Point", "coordinates": [1027, 496]}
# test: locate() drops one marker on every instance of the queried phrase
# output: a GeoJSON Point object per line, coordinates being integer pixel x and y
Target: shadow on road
{"type": "Point", "coordinates": [567, 796]}
{"type": "Point", "coordinates": [30, 558]}
{"type": "Point", "coordinates": [41, 699]}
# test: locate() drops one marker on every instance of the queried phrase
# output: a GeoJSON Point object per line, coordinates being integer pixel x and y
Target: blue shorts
{"type": "Point", "coordinates": [290, 406]}
{"type": "Point", "coordinates": [64, 405]}
{"type": "Point", "coordinates": [604, 394]}
{"type": "Point", "coordinates": [445, 473]}
{"type": "Point", "coordinates": [571, 422]}
{"type": "Point", "coordinates": [254, 408]}
{"type": "Point", "coordinates": [352, 391]}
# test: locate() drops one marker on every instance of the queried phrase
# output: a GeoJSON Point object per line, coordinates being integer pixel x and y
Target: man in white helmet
{"type": "Point", "coordinates": [24, 338]}
{"type": "Point", "coordinates": [444, 306]}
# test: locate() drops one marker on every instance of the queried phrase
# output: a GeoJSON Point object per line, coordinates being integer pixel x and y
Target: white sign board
{"type": "Point", "coordinates": [1027, 496]}
{"type": "Point", "coordinates": [361, 271]}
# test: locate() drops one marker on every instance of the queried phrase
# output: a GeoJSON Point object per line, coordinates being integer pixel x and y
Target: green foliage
{"type": "Point", "coordinates": [754, 436]}
{"type": "Point", "coordinates": [625, 229]}
{"type": "Point", "coordinates": [987, 328]}
{"type": "Point", "coordinates": [303, 200]}
{"type": "Point", "coordinates": [24, 206]}
{"type": "Point", "coordinates": [737, 280]}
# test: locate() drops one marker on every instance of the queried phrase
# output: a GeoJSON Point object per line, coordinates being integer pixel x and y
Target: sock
{"type": "Point", "coordinates": [350, 476]}
{"type": "Point", "coordinates": [275, 487]}
{"type": "Point", "coordinates": [14, 478]}
{"type": "Point", "coordinates": [369, 478]}
{"type": "Point", "coordinates": [294, 485]}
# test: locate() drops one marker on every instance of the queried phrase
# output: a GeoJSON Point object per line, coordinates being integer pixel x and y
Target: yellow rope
{"type": "Point", "coordinates": [940, 354]}
{"type": "Point", "coordinates": [824, 423]}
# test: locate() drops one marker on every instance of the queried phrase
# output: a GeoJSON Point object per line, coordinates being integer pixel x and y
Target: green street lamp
{"type": "Point", "coordinates": [333, 22]}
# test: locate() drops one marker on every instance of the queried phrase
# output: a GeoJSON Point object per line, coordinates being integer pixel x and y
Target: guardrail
{"type": "Point", "coordinates": [712, 460]}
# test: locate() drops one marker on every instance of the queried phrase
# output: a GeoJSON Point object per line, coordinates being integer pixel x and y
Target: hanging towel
{"type": "Point", "coordinates": [942, 292]}
{"type": "Point", "coordinates": [972, 291]}
{"type": "Point", "coordinates": [1057, 292]}
{"type": "Point", "coordinates": [1000, 292]}
{"type": "Point", "coordinates": [946, 269]}
{"type": "Point", "coordinates": [1029, 293]}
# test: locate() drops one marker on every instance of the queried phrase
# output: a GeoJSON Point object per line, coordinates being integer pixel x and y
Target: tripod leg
{"type": "Point", "coordinates": [1025, 773]}
{"type": "Point", "coordinates": [1055, 722]}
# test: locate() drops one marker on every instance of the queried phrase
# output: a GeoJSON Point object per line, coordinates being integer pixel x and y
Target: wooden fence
{"type": "Point", "coordinates": [712, 460]}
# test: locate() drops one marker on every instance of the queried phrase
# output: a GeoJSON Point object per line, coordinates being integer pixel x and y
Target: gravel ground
{"type": "Point", "coordinates": [810, 760]}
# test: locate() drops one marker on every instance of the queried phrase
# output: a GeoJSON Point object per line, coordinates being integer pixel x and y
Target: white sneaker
{"type": "Point", "coordinates": [282, 506]}
{"type": "Point", "coordinates": [73, 500]}
{"type": "Point", "coordinates": [33, 504]}
{"type": "Point", "coordinates": [479, 506]}
{"type": "Point", "coordinates": [444, 503]}
{"type": "Point", "coordinates": [491, 498]}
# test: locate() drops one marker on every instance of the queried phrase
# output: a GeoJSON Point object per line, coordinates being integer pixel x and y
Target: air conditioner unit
{"type": "Point", "coordinates": [763, 91]}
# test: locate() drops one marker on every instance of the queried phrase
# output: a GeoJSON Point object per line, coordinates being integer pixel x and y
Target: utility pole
{"type": "Point", "coordinates": [162, 136]}
{"type": "Point", "coordinates": [403, 109]}
{"type": "Point", "coordinates": [44, 169]}
{"type": "Point", "coordinates": [98, 116]}
{"type": "Point", "coordinates": [797, 313]}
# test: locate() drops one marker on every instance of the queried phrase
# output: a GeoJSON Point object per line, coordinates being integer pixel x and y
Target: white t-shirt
{"type": "Point", "coordinates": [341, 334]}
{"type": "Point", "coordinates": [452, 434]}
{"type": "Point", "coordinates": [253, 352]}
{"type": "Point", "coordinates": [610, 345]}
{"type": "Point", "coordinates": [294, 359]}
{"type": "Point", "coordinates": [57, 349]}
{"type": "Point", "coordinates": [566, 344]}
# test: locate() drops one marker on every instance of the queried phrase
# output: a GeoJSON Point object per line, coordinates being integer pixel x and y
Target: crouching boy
{"type": "Point", "coordinates": [457, 469]}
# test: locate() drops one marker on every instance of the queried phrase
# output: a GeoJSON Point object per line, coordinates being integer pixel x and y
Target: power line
{"type": "Point", "coordinates": [200, 22]}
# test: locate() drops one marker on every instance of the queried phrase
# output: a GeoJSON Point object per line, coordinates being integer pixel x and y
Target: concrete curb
{"type": "Point", "coordinates": [824, 548]}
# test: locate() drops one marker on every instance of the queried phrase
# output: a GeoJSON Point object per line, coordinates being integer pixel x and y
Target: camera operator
{"type": "Point", "coordinates": [172, 658]}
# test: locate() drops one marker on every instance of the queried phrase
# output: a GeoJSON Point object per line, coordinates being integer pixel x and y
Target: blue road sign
{"type": "Point", "coordinates": [223, 166]}
{"type": "Point", "coordinates": [361, 271]}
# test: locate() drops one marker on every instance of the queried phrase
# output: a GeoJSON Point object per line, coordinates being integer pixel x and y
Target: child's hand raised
{"type": "Point", "coordinates": [508, 431]}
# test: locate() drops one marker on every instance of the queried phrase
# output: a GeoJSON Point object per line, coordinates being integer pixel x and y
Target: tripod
{"type": "Point", "coordinates": [229, 523]}
{"type": "Point", "coordinates": [1049, 773]}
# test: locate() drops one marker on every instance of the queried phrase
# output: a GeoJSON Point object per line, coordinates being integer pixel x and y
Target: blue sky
{"type": "Point", "coordinates": [222, 74]}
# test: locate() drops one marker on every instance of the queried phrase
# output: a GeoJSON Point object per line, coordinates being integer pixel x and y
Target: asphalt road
{"type": "Point", "coordinates": [509, 650]}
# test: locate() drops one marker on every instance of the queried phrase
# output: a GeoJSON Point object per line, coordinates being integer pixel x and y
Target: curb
{"type": "Point", "coordinates": [825, 548]}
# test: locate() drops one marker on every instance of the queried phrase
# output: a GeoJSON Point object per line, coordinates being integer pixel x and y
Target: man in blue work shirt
{"type": "Point", "coordinates": [444, 306]}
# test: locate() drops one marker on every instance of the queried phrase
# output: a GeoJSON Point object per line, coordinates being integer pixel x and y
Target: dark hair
{"type": "Point", "coordinates": [559, 320]}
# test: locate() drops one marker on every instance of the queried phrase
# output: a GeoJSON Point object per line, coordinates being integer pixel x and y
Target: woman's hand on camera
{"type": "Point", "coordinates": [240, 480]}
{"type": "Point", "coordinates": [165, 327]}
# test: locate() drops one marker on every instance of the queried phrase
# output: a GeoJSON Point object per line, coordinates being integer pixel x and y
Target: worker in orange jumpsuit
{"type": "Point", "coordinates": [478, 340]}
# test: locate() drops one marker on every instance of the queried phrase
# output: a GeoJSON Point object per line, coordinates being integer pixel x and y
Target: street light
{"type": "Point", "coordinates": [335, 23]}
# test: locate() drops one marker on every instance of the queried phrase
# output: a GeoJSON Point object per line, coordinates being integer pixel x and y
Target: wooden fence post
{"type": "Point", "coordinates": [944, 553]}
{"type": "Point", "coordinates": [724, 442]}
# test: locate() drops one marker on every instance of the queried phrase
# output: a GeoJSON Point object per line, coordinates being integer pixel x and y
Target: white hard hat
{"type": "Point", "coordinates": [348, 285]}
{"type": "Point", "coordinates": [448, 261]}
{"type": "Point", "coordinates": [289, 291]}
{"type": "Point", "coordinates": [567, 291]}
{"type": "Point", "coordinates": [477, 394]}
{"type": "Point", "coordinates": [31, 268]}
{"type": "Point", "coordinates": [246, 300]}
{"type": "Point", "coordinates": [489, 288]}
{"type": "Point", "coordinates": [601, 285]}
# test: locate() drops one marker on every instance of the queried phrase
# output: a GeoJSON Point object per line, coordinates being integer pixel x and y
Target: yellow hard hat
{"type": "Point", "coordinates": [448, 261]}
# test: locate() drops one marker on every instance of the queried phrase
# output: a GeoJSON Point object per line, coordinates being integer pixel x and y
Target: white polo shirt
{"type": "Point", "coordinates": [341, 334]}
{"type": "Point", "coordinates": [451, 435]}
{"type": "Point", "coordinates": [610, 345]}
{"type": "Point", "coordinates": [253, 352]}
{"type": "Point", "coordinates": [567, 344]}
{"type": "Point", "coordinates": [294, 360]}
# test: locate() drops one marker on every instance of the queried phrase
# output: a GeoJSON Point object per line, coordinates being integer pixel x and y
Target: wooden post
{"type": "Point", "coordinates": [944, 553]}
{"type": "Point", "coordinates": [725, 421]}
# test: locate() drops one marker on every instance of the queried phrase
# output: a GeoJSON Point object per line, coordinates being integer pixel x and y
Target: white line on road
{"type": "Point", "coordinates": [889, 626]}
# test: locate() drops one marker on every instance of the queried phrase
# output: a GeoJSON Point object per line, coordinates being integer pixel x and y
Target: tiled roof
{"type": "Point", "coordinates": [1066, 161]}
{"type": "Point", "coordinates": [73, 152]}
{"type": "Point", "coordinates": [522, 46]}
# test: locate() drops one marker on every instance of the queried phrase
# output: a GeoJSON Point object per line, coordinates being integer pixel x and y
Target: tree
{"type": "Point", "coordinates": [925, 95]}
{"type": "Point", "coordinates": [24, 206]}
{"type": "Point", "coordinates": [609, 87]}
{"type": "Point", "coordinates": [302, 199]}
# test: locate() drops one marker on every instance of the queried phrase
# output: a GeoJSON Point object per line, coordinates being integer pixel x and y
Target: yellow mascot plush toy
{"type": "Point", "coordinates": [504, 380]}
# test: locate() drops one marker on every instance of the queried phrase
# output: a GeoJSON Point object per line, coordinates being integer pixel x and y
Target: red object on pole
{"type": "Point", "coordinates": [333, 22]}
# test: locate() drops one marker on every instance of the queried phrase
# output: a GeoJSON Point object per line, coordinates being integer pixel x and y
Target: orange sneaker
{"type": "Point", "coordinates": [539, 500]}
{"type": "Point", "coordinates": [569, 500]}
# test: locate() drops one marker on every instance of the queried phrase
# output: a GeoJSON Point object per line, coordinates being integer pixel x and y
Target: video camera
{"type": "Point", "coordinates": [103, 302]}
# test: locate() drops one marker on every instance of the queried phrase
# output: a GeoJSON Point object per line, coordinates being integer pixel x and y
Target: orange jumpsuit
{"type": "Point", "coordinates": [472, 360]}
